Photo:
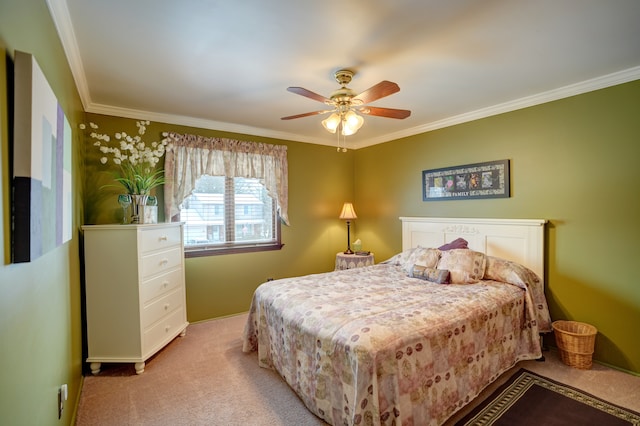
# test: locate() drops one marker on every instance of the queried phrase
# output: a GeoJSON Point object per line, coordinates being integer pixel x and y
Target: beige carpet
{"type": "Point", "coordinates": [205, 379]}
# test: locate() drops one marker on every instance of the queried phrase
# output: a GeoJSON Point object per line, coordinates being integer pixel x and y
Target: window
{"type": "Point", "coordinates": [234, 193]}
{"type": "Point", "coordinates": [224, 215]}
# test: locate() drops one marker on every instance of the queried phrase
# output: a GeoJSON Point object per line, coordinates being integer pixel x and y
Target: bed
{"type": "Point", "coordinates": [383, 345]}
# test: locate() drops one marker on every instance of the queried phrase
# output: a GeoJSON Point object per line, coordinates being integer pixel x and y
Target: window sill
{"type": "Point", "coordinates": [235, 249]}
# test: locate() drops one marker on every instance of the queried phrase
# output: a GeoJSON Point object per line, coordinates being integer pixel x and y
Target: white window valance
{"type": "Point", "coordinates": [188, 157]}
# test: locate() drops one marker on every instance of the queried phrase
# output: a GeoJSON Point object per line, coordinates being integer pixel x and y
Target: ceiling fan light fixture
{"type": "Point", "coordinates": [351, 123]}
{"type": "Point", "coordinates": [345, 102]}
{"type": "Point", "coordinates": [331, 123]}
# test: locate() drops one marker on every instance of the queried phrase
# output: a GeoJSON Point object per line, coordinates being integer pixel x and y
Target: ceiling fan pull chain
{"type": "Point", "coordinates": [342, 147]}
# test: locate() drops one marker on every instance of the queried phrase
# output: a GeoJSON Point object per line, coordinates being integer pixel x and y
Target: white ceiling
{"type": "Point", "coordinates": [225, 65]}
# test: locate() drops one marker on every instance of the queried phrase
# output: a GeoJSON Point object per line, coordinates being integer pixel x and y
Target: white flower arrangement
{"type": "Point", "coordinates": [136, 160]}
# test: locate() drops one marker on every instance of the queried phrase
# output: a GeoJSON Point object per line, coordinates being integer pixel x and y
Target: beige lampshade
{"type": "Point", "coordinates": [348, 212]}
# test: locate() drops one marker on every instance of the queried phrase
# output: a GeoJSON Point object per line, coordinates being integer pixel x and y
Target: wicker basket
{"type": "Point", "coordinates": [575, 341]}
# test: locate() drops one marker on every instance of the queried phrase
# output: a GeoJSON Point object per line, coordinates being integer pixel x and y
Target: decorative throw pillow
{"type": "Point", "coordinates": [427, 257]}
{"type": "Point", "coordinates": [400, 259]}
{"type": "Point", "coordinates": [465, 266]}
{"type": "Point", "coordinates": [440, 276]}
{"type": "Point", "coordinates": [458, 243]}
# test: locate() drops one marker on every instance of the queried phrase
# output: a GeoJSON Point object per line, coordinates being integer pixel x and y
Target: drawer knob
{"type": "Point", "coordinates": [167, 328]}
{"type": "Point", "coordinates": [166, 306]}
{"type": "Point", "coordinates": [164, 261]}
{"type": "Point", "coordinates": [163, 238]}
{"type": "Point", "coordinates": [165, 284]}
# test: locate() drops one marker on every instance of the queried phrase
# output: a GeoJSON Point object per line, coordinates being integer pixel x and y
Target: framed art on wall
{"type": "Point", "coordinates": [471, 181]}
{"type": "Point", "coordinates": [41, 196]}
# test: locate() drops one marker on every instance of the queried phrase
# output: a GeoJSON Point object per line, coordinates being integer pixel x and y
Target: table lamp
{"type": "Point", "coordinates": [348, 213]}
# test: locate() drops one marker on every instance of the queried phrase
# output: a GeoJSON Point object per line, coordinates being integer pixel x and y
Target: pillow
{"type": "Point", "coordinates": [465, 266]}
{"type": "Point", "coordinates": [427, 257]}
{"type": "Point", "coordinates": [440, 276]}
{"type": "Point", "coordinates": [399, 259]}
{"type": "Point", "coordinates": [458, 243]}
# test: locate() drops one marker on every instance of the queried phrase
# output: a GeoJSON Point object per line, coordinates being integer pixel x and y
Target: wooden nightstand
{"type": "Point", "coordinates": [350, 261]}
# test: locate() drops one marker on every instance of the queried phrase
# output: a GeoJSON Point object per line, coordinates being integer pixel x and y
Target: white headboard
{"type": "Point", "coordinates": [519, 240]}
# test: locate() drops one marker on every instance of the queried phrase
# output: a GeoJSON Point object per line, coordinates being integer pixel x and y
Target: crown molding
{"type": "Point", "coordinates": [62, 20]}
{"type": "Point", "coordinates": [181, 120]}
{"type": "Point", "coordinates": [586, 86]}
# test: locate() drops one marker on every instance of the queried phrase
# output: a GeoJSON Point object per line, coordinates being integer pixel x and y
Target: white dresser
{"type": "Point", "coordinates": [135, 291]}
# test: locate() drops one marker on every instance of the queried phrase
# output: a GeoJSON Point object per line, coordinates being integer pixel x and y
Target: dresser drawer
{"type": "Point", "coordinates": [170, 326]}
{"type": "Point", "coordinates": [163, 261]}
{"type": "Point", "coordinates": [160, 285]}
{"type": "Point", "coordinates": [161, 308]}
{"type": "Point", "coordinates": [155, 238]}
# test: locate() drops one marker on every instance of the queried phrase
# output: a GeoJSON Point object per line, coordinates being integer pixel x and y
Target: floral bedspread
{"type": "Point", "coordinates": [371, 346]}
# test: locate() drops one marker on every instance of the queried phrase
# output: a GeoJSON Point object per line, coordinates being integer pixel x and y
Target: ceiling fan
{"type": "Point", "coordinates": [345, 103]}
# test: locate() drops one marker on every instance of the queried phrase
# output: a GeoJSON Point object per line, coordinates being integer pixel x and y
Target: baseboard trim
{"type": "Point", "coordinates": [605, 364]}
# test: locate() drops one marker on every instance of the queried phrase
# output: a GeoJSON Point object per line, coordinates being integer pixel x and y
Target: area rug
{"type": "Point", "coordinates": [530, 399]}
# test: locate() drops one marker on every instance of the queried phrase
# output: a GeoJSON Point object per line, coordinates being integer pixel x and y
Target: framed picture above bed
{"type": "Point", "coordinates": [471, 181]}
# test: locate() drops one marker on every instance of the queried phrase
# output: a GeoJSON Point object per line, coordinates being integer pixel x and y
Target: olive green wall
{"type": "Point", "coordinates": [573, 162]}
{"type": "Point", "coordinates": [40, 325]}
{"type": "Point", "coordinates": [320, 181]}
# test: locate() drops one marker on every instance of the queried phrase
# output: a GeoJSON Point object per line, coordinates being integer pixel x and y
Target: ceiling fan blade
{"type": "Point", "coordinates": [308, 93]}
{"type": "Point", "coordinates": [380, 90]}
{"type": "Point", "coordinates": [385, 112]}
{"type": "Point", "coordinates": [306, 114]}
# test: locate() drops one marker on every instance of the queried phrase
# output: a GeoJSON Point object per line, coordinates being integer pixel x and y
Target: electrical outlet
{"type": "Point", "coordinates": [63, 394]}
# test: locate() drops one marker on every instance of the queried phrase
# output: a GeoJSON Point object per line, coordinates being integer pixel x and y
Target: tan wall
{"type": "Point", "coordinates": [573, 162]}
